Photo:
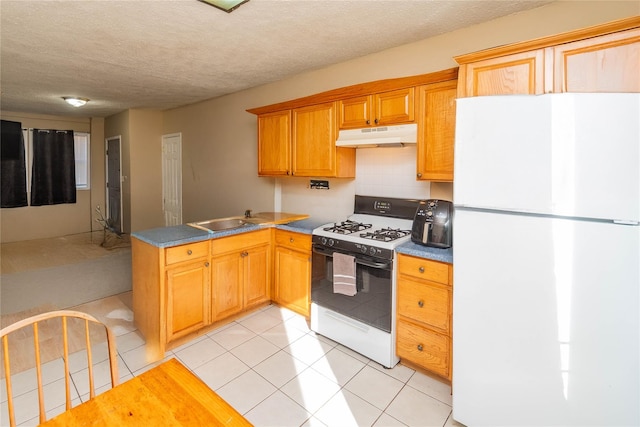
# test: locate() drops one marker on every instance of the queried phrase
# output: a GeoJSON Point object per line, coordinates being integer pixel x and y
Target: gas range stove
{"type": "Point", "coordinates": [354, 303]}
{"type": "Point", "coordinates": [378, 226]}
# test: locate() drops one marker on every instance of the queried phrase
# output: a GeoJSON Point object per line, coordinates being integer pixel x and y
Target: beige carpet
{"type": "Point", "coordinates": [61, 272]}
{"type": "Point", "coordinates": [72, 272]}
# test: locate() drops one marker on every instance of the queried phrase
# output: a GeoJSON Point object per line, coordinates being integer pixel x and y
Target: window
{"type": "Point", "coordinates": [81, 151]}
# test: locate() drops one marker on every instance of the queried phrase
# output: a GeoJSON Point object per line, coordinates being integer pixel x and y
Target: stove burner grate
{"type": "Point", "coordinates": [385, 234]}
{"type": "Point", "coordinates": [347, 227]}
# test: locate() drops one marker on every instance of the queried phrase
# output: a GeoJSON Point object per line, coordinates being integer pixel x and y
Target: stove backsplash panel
{"type": "Point", "coordinates": [389, 172]}
{"type": "Point", "coordinates": [381, 172]}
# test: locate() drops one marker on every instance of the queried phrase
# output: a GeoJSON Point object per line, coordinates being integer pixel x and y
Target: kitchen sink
{"type": "Point", "coordinates": [222, 224]}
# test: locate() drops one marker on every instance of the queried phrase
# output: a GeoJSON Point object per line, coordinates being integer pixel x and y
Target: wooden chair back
{"type": "Point", "coordinates": [33, 322]}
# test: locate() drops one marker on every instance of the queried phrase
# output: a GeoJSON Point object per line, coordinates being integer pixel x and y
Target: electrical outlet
{"type": "Point", "coordinates": [316, 184]}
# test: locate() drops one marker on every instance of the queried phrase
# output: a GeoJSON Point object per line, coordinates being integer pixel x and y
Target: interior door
{"type": "Point", "coordinates": [172, 178]}
{"type": "Point", "coordinates": [114, 180]}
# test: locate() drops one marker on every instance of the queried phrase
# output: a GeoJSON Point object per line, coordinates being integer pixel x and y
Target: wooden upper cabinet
{"type": "Point", "coordinates": [274, 143]}
{"type": "Point", "coordinates": [520, 73]}
{"type": "Point", "coordinates": [386, 108]}
{"type": "Point", "coordinates": [314, 143]}
{"type": "Point", "coordinates": [302, 142]}
{"type": "Point", "coordinates": [436, 131]}
{"type": "Point", "coordinates": [609, 63]}
{"type": "Point", "coordinates": [355, 112]}
{"type": "Point", "coordinates": [604, 58]}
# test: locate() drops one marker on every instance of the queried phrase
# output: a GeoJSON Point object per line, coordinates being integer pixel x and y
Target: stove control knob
{"type": "Point", "coordinates": [324, 240]}
{"type": "Point", "coordinates": [430, 213]}
{"type": "Point", "coordinates": [331, 242]}
{"type": "Point", "coordinates": [432, 204]}
{"type": "Point", "coordinates": [363, 249]}
{"type": "Point", "coordinates": [372, 251]}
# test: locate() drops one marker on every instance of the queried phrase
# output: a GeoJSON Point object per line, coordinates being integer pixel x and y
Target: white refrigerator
{"type": "Point", "coordinates": [546, 245]}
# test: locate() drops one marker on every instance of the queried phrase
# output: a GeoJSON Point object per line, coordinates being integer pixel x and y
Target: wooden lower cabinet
{"type": "Point", "coordinates": [424, 311]}
{"type": "Point", "coordinates": [424, 347]}
{"type": "Point", "coordinates": [240, 272]}
{"type": "Point", "coordinates": [187, 298]}
{"type": "Point", "coordinates": [180, 290]}
{"type": "Point", "coordinates": [226, 277]}
{"type": "Point", "coordinates": [292, 271]}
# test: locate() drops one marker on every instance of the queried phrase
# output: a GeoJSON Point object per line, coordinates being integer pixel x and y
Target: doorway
{"type": "Point", "coordinates": [172, 178]}
{"type": "Point", "coordinates": [114, 182]}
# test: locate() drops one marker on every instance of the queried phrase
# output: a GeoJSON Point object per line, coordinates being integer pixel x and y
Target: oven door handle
{"type": "Point", "coordinates": [380, 265]}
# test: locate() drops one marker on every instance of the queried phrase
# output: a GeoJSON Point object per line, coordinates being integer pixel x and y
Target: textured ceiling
{"type": "Point", "coordinates": [167, 53]}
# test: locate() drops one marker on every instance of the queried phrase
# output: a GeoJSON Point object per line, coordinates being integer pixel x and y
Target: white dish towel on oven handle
{"type": "Point", "coordinates": [344, 274]}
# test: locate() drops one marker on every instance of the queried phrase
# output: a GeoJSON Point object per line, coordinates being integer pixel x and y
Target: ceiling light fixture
{"type": "Point", "coordinates": [226, 5]}
{"type": "Point", "coordinates": [75, 101]}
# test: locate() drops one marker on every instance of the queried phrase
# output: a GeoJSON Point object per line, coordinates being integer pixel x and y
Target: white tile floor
{"type": "Point", "coordinates": [275, 371]}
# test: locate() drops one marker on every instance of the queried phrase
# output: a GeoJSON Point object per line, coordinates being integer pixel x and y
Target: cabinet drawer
{"type": "Point", "coordinates": [239, 242]}
{"type": "Point", "coordinates": [425, 303]}
{"type": "Point", "coordinates": [424, 347]}
{"type": "Point", "coordinates": [186, 252]}
{"type": "Point", "coordinates": [292, 240]}
{"type": "Point", "coordinates": [421, 268]}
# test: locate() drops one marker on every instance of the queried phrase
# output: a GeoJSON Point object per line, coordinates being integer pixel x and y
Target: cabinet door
{"type": "Point", "coordinates": [355, 113]}
{"type": "Point", "coordinates": [314, 140]}
{"type": "Point", "coordinates": [226, 285]}
{"type": "Point", "coordinates": [256, 275]}
{"type": "Point", "coordinates": [520, 73]}
{"type": "Point", "coordinates": [187, 289]}
{"type": "Point", "coordinates": [437, 123]}
{"type": "Point", "coordinates": [293, 279]}
{"type": "Point", "coordinates": [274, 143]}
{"type": "Point", "coordinates": [394, 107]}
{"type": "Point", "coordinates": [609, 63]}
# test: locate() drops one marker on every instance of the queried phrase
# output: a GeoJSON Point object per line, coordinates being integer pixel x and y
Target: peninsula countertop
{"type": "Point", "coordinates": [164, 237]}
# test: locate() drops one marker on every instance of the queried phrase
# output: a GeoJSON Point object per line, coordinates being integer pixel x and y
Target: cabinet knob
{"type": "Point", "coordinates": [244, 254]}
{"type": "Point", "coordinates": [291, 240]}
{"type": "Point", "coordinates": [421, 269]}
{"type": "Point", "coordinates": [420, 303]}
{"type": "Point", "coordinates": [189, 252]}
{"type": "Point", "coordinates": [376, 121]}
{"type": "Point", "coordinates": [419, 175]}
{"type": "Point", "coordinates": [368, 122]}
{"type": "Point", "coordinates": [420, 348]}
{"type": "Point", "coordinates": [206, 264]}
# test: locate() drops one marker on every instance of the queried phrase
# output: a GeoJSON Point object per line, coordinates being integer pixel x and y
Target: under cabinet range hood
{"type": "Point", "coordinates": [381, 136]}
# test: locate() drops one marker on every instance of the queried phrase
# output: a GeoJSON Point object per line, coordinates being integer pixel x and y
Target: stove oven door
{"type": "Point", "coordinates": [372, 304]}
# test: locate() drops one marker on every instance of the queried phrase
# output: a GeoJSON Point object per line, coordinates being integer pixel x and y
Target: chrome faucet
{"type": "Point", "coordinates": [247, 213]}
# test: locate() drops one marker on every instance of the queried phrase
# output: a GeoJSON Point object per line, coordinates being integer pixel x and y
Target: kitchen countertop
{"type": "Point", "coordinates": [305, 226]}
{"type": "Point", "coordinates": [164, 237]}
{"type": "Point", "coordinates": [279, 217]}
{"type": "Point", "coordinates": [434, 254]}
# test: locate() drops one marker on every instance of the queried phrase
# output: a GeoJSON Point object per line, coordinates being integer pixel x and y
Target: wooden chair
{"type": "Point", "coordinates": [63, 315]}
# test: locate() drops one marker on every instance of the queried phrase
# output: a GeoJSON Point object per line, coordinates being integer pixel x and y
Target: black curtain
{"type": "Point", "coordinates": [53, 177]}
{"type": "Point", "coordinates": [12, 166]}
